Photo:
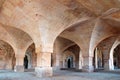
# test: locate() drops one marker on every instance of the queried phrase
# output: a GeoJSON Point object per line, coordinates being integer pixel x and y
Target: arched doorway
{"type": "Point", "coordinates": [116, 57]}
{"type": "Point", "coordinates": [26, 62]}
{"type": "Point", "coordinates": [30, 58]}
{"type": "Point", "coordinates": [70, 62]}
{"type": "Point", "coordinates": [63, 50]}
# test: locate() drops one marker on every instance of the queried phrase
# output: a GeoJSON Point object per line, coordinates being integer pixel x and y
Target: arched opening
{"type": "Point", "coordinates": [26, 62]}
{"type": "Point", "coordinates": [66, 55]}
{"type": "Point", "coordinates": [98, 59]}
{"type": "Point", "coordinates": [70, 62]}
{"type": "Point", "coordinates": [116, 57]}
{"type": "Point", "coordinates": [72, 34]}
{"type": "Point", "coordinates": [30, 58]}
{"type": "Point", "coordinates": [7, 56]}
{"type": "Point", "coordinates": [106, 49]}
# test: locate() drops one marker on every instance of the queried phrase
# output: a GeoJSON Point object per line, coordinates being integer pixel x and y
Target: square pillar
{"type": "Point", "coordinates": [80, 61]}
{"type": "Point", "coordinates": [108, 62]}
{"type": "Point", "coordinates": [19, 67]}
{"type": "Point", "coordinates": [57, 64]}
{"type": "Point", "coordinates": [44, 68]}
{"type": "Point", "coordinates": [108, 65]}
{"type": "Point", "coordinates": [96, 58]}
{"type": "Point", "coordinates": [87, 64]}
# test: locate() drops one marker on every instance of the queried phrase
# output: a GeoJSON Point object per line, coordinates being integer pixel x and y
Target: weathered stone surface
{"type": "Point", "coordinates": [57, 27]}
{"type": "Point", "coordinates": [44, 71]}
{"type": "Point", "coordinates": [87, 68]}
{"type": "Point", "coordinates": [19, 68]}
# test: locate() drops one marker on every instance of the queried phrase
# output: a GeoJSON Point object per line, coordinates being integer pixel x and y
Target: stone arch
{"type": "Point", "coordinates": [67, 47]}
{"type": "Point", "coordinates": [110, 11]}
{"type": "Point", "coordinates": [107, 37]}
{"type": "Point", "coordinates": [82, 20]}
{"type": "Point", "coordinates": [21, 39]}
{"type": "Point", "coordinates": [58, 53]}
{"type": "Point", "coordinates": [101, 32]}
{"type": "Point", "coordinates": [116, 57]}
{"type": "Point", "coordinates": [28, 45]}
{"type": "Point", "coordinates": [7, 55]}
{"type": "Point", "coordinates": [116, 43]}
{"type": "Point", "coordinates": [105, 47]}
{"type": "Point", "coordinates": [11, 27]}
{"type": "Point", "coordinates": [66, 56]}
{"type": "Point", "coordinates": [75, 49]}
{"type": "Point", "coordinates": [16, 21]}
{"type": "Point", "coordinates": [74, 43]}
{"type": "Point", "coordinates": [5, 36]}
{"type": "Point", "coordinates": [31, 55]}
{"type": "Point", "coordinates": [103, 40]}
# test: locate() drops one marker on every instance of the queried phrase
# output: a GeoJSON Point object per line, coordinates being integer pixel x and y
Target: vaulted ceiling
{"type": "Point", "coordinates": [89, 21]}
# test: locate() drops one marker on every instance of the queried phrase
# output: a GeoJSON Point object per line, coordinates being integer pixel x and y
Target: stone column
{"type": "Point", "coordinates": [108, 65]}
{"type": "Point", "coordinates": [96, 60]}
{"type": "Point", "coordinates": [87, 64]}
{"type": "Point", "coordinates": [80, 61]}
{"type": "Point", "coordinates": [19, 67]}
{"type": "Point", "coordinates": [57, 62]}
{"type": "Point", "coordinates": [108, 61]}
{"type": "Point", "coordinates": [43, 68]}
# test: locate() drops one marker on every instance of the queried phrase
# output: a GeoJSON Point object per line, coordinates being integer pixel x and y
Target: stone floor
{"type": "Point", "coordinates": [61, 75]}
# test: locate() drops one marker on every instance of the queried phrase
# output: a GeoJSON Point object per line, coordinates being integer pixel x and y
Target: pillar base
{"type": "Point", "coordinates": [87, 68]}
{"type": "Point", "coordinates": [43, 71]}
{"type": "Point", "coordinates": [19, 68]}
{"type": "Point", "coordinates": [56, 68]}
{"type": "Point", "coordinates": [108, 65]}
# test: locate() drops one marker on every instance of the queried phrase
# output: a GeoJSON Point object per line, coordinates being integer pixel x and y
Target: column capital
{"type": "Point", "coordinates": [44, 59]}
{"type": "Point", "coordinates": [38, 50]}
{"type": "Point", "coordinates": [45, 49]}
{"type": "Point", "coordinates": [19, 55]}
